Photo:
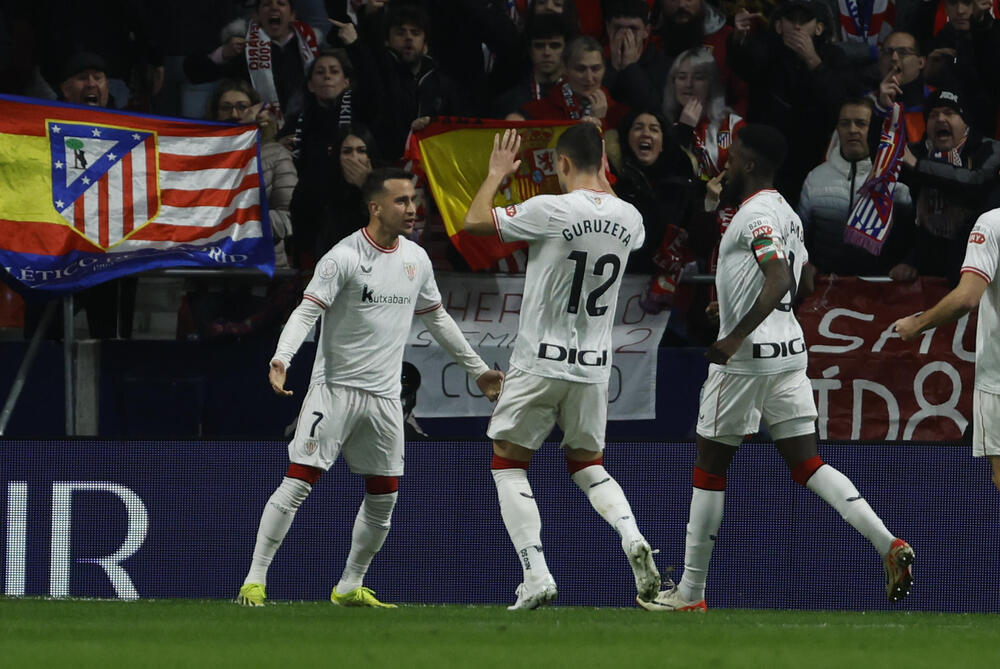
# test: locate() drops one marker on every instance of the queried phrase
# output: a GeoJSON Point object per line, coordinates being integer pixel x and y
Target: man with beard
{"type": "Point", "coordinates": [758, 371]}
{"type": "Point", "coordinates": [829, 194]}
{"type": "Point", "coordinates": [952, 175]}
{"type": "Point", "coordinates": [637, 69]}
{"type": "Point", "coordinates": [901, 65]}
{"type": "Point", "coordinates": [686, 24]}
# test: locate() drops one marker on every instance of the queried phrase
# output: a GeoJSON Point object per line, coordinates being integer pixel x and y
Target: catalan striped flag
{"type": "Point", "coordinates": [454, 155]}
{"type": "Point", "coordinates": [870, 220]}
{"type": "Point", "coordinates": [87, 195]}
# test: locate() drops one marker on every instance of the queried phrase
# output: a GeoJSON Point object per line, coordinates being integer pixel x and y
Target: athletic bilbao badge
{"type": "Point", "coordinates": [410, 269]}
{"type": "Point", "coordinates": [105, 183]}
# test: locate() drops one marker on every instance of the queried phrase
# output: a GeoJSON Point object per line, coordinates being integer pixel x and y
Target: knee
{"type": "Point", "coordinates": [381, 485]}
{"type": "Point", "coordinates": [583, 460]}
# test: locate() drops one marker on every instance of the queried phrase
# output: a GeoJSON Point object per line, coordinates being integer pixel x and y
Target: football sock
{"type": "Point", "coordinates": [704, 520]}
{"type": "Point", "coordinates": [274, 523]}
{"type": "Point", "coordinates": [370, 529]}
{"type": "Point", "coordinates": [838, 491]}
{"type": "Point", "coordinates": [608, 499]}
{"type": "Point", "coordinates": [520, 517]}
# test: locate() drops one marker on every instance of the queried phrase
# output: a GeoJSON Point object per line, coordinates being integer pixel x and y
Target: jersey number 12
{"type": "Point", "coordinates": [580, 258]}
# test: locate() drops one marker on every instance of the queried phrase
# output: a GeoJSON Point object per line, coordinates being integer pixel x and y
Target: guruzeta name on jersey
{"type": "Point", "coordinates": [606, 227]}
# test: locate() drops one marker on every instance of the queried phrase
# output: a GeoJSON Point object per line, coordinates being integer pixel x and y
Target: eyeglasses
{"type": "Point", "coordinates": [227, 108]}
{"type": "Point", "coordinates": [901, 51]}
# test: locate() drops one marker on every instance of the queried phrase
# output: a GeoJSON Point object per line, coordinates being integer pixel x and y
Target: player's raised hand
{"type": "Point", "coordinates": [503, 159]}
{"type": "Point", "coordinates": [276, 375]}
{"type": "Point", "coordinates": [490, 383]}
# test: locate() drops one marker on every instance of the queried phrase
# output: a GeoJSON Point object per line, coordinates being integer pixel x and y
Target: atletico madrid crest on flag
{"type": "Point", "coordinates": [104, 179]}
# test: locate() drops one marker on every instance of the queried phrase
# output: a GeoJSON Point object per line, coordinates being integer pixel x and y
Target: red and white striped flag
{"type": "Point", "coordinates": [91, 194]}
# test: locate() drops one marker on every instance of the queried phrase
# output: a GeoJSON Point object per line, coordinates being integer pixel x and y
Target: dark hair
{"type": "Point", "coordinates": [625, 127]}
{"type": "Point", "coordinates": [630, 9]}
{"type": "Point", "coordinates": [414, 15]}
{"type": "Point", "coordinates": [580, 45]}
{"type": "Point", "coordinates": [858, 101]}
{"type": "Point", "coordinates": [340, 55]}
{"type": "Point", "coordinates": [541, 26]}
{"type": "Point", "coordinates": [256, 5]}
{"type": "Point", "coordinates": [223, 87]}
{"type": "Point", "coordinates": [916, 42]}
{"type": "Point", "coordinates": [362, 132]}
{"type": "Point", "coordinates": [581, 143]}
{"type": "Point", "coordinates": [767, 144]}
{"type": "Point", "coordinates": [375, 183]}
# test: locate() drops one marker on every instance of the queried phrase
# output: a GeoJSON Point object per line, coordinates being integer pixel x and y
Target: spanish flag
{"type": "Point", "coordinates": [454, 154]}
{"type": "Point", "coordinates": [87, 195]}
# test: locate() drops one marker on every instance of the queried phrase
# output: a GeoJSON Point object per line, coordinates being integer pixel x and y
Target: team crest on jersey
{"type": "Point", "coordinates": [327, 269]}
{"type": "Point", "coordinates": [310, 446]}
{"type": "Point", "coordinates": [977, 238]}
{"type": "Point", "coordinates": [410, 269]}
{"type": "Point", "coordinates": [511, 210]}
{"type": "Point", "coordinates": [724, 139]}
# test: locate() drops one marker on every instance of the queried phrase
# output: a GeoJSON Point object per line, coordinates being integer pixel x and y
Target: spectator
{"type": "Point", "coordinates": [235, 101]}
{"type": "Point", "coordinates": [344, 211]}
{"type": "Point", "coordinates": [965, 54]}
{"type": "Point", "coordinates": [901, 65]}
{"type": "Point", "coordinates": [686, 24]}
{"type": "Point", "coordinates": [655, 176]}
{"type": "Point", "coordinates": [272, 51]}
{"type": "Point", "coordinates": [636, 67]}
{"type": "Point", "coordinates": [413, 88]}
{"type": "Point", "coordinates": [798, 81]}
{"type": "Point", "coordinates": [864, 26]}
{"type": "Point", "coordinates": [952, 177]}
{"type": "Point", "coordinates": [548, 35]}
{"type": "Point", "coordinates": [582, 96]}
{"type": "Point", "coordinates": [110, 306]}
{"type": "Point", "coordinates": [830, 191]}
{"type": "Point", "coordinates": [695, 104]}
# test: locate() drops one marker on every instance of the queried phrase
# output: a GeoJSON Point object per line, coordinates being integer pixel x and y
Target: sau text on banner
{"type": "Point", "coordinates": [87, 195]}
{"type": "Point", "coordinates": [454, 153]}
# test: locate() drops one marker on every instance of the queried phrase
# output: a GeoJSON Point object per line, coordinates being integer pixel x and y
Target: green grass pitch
{"type": "Point", "coordinates": [203, 633]}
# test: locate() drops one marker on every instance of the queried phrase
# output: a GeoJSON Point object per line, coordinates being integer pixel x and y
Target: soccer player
{"type": "Point", "coordinates": [578, 245]}
{"type": "Point", "coordinates": [982, 256]}
{"type": "Point", "coordinates": [759, 370]}
{"type": "Point", "coordinates": [367, 289]}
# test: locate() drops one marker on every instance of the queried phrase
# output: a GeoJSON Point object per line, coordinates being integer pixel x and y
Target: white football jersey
{"type": "Point", "coordinates": [981, 257]}
{"type": "Point", "coordinates": [578, 244]}
{"type": "Point", "coordinates": [369, 294]}
{"type": "Point", "coordinates": [764, 227]}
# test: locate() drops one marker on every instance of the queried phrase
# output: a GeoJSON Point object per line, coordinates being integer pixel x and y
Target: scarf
{"type": "Point", "coordinates": [870, 220]}
{"type": "Point", "coordinates": [258, 55]}
{"type": "Point", "coordinates": [940, 215]}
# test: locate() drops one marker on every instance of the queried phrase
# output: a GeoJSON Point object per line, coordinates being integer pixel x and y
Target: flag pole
{"type": "Point", "coordinates": [68, 345]}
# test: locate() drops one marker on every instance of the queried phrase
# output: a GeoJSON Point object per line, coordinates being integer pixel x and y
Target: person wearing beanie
{"type": "Point", "coordinates": [951, 174]}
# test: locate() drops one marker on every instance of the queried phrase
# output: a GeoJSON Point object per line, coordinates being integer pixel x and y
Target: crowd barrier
{"type": "Point", "coordinates": [160, 519]}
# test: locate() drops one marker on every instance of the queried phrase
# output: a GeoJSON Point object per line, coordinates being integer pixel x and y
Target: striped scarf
{"type": "Point", "coordinates": [871, 218]}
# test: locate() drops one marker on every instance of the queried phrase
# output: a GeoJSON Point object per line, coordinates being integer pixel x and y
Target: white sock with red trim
{"type": "Point", "coordinates": [608, 499]}
{"type": "Point", "coordinates": [838, 491]}
{"type": "Point", "coordinates": [520, 517]}
{"type": "Point", "coordinates": [704, 520]}
{"type": "Point", "coordinates": [371, 526]}
{"type": "Point", "coordinates": [279, 512]}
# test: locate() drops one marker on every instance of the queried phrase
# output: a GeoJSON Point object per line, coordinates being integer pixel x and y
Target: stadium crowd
{"type": "Point", "coordinates": [338, 85]}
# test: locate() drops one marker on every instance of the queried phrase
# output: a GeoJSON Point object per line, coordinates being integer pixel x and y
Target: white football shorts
{"type": "Point", "coordinates": [732, 405]}
{"type": "Point", "coordinates": [986, 419]}
{"type": "Point", "coordinates": [366, 429]}
{"type": "Point", "coordinates": [530, 405]}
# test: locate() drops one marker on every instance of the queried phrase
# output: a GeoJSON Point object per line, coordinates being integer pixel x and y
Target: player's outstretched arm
{"type": "Point", "coordinates": [778, 281]}
{"type": "Point", "coordinates": [447, 333]}
{"type": "Point", "coordinates": [503, 162]}
{"type": "Point", "coordinates": [963, 299]}
{"type": "Point", "coordinates": [292, 335]}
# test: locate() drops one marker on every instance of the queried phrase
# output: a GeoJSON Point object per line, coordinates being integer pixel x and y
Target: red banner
{"type": "Point", "coordinates": [871, 385]}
